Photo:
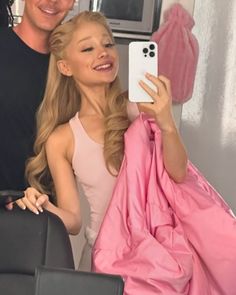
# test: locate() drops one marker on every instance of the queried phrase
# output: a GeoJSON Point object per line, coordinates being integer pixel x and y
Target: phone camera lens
{"type": "Point", "coordinates": [152, 54]}
{"type": "Point", "coordinates": [152, 46]}
{"type": "Point", "coordinates": [145, 50]}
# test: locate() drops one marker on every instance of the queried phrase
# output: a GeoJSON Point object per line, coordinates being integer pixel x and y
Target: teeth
{"type": "Point", "coordinates": [102, 67]}
{"type": "Point", "coordinates": [49, 11]}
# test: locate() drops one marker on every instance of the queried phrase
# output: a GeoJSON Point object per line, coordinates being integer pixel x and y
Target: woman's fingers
{"type": "Point", "coordinates": [161, 109]}
{"type": "Point", "coordinates": [161, 83]}
{"type": "Point", "coordinates": [43, 199]}
{"type": "Point", "coordinates": [33, 200]}
{"type": "Point", "coordinates": [30, 204]}
{"type": "Point", "coordinates": [166, 83]}
{"type": "Point", "coordinates": [21, 204]}
{"type": "Point", "coordinates": [153, 94]}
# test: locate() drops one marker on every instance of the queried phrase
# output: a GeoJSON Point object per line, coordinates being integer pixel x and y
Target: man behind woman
{"type": "Point", "coordinates": [24, 58]}
{"type": "Point", "coordinates": [82, 121]}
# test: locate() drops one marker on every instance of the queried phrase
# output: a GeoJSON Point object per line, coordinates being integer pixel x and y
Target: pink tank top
{"type": "Point", "coordinates": [91, 173]}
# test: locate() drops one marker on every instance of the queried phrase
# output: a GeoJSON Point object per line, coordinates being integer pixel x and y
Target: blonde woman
{"type": "Point", "coordinates": [82, 121]}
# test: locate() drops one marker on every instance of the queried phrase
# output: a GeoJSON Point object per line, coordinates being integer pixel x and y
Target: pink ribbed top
{"type": "Point", "coordinates": [91, 173]}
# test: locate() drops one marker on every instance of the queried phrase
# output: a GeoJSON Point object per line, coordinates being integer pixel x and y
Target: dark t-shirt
{"type": "Point", "coordinates": [23, 74]}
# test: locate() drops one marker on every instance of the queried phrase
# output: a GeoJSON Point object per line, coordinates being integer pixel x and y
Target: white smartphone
{"type": "Point", "coordinates": [143, 58]}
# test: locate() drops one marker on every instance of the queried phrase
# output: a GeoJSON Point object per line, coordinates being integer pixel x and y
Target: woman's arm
{"type": "Point", "coordinates": [174, 153]}
{"type": "Point", "coordinates": [59, 149]}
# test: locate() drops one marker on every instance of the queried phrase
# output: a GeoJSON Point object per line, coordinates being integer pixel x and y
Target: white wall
{"type": "Point", "coordinates": [208, 124]}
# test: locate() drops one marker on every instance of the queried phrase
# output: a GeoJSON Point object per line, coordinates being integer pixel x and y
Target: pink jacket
{"type": "Point", "coordinates": [163, 237]}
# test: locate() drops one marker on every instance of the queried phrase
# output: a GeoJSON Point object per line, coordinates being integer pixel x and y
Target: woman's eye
{"type": "Point", "coordinates": [109, 45]}
{"type": "Point", "coordinates": [87, 49]}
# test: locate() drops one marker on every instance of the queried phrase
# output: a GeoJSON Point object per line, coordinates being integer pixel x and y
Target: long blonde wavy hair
{"type": "Point", "coordinates": [61, 102]}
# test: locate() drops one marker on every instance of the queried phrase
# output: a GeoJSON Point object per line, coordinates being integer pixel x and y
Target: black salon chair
{"type": "Point", "coordinates": [27, 241]}
{"type": "Point", "coordinates": [52, 281]}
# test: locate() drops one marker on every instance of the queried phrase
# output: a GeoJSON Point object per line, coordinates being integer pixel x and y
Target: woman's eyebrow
{"type": "Point", "coordinates": [89, 37]}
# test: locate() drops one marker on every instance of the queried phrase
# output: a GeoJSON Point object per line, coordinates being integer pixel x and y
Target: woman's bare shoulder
{"type": "Point", "coordinates": [60, 139]}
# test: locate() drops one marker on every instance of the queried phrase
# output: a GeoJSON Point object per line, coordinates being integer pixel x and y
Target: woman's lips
{"type": "Point", "coordinates": [102, 67]}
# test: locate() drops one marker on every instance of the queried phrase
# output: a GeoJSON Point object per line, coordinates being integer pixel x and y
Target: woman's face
{"type": "Point", "coordinates": [91, 57]}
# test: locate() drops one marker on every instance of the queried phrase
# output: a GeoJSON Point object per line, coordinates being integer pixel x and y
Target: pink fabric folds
{"type": "Point", "coordinates": [178, 52]}
{"type": "Point", "coordinates": [163, 237]}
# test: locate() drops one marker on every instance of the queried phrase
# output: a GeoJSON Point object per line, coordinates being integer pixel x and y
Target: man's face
{"type": "Point", "coordinates": [45, 15]}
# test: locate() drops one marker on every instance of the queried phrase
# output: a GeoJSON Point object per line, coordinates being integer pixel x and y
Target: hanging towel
{"type": "Point", "coordinates": [161, 236]}
{"type": "Point", "coordinates": [177, 51]}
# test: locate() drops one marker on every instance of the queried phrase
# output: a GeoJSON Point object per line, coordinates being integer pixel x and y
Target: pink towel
{"type": "Point", "coordinates": [178, 52]}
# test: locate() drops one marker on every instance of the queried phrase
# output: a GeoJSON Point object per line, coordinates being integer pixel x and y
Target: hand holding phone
{"type": "Point", "coordinates": [8, 196]}
{"type": "Point", "coordinates": [143, 58]}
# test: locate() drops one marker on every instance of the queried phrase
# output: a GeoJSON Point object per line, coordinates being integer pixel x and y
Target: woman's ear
{"type": "Point", "coordinates": [64, 68]}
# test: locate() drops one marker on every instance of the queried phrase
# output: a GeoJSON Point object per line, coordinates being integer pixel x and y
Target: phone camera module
{"type": "Point", "coordinates": [152, 54]}
{"type": "Point", "coordinates": [152, 47]}
{"type": "Point", "coordinates": [145, 51]}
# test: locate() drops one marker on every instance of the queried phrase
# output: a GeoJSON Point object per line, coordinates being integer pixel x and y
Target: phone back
{"type": "Point", "coordinates": [143, 58]}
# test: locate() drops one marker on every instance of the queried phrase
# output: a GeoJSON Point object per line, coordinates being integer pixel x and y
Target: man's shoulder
{"type": "Point", "coordinates": [6, 37]}
{"type": "Point", "coordinates": [12, 45]}
{"type": "Point", "coordinates": [5, 32]}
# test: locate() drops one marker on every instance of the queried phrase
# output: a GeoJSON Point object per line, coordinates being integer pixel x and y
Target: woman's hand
{"type": "Point", "coordinates": [161, 108]}
{"type": "Point", "coordinates": [33, 200]}
{"type": "Point", "coordinates": [174, 153]}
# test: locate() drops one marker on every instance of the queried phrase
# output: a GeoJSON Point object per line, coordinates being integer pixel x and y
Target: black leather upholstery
{"type": "Point", "coordinates": [51, 281]}
{"type": "Point", "coordinates": [28, 240]}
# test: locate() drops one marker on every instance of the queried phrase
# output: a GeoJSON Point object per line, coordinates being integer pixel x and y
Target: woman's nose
{"type": "Point", "coordinates": [103, 53]}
